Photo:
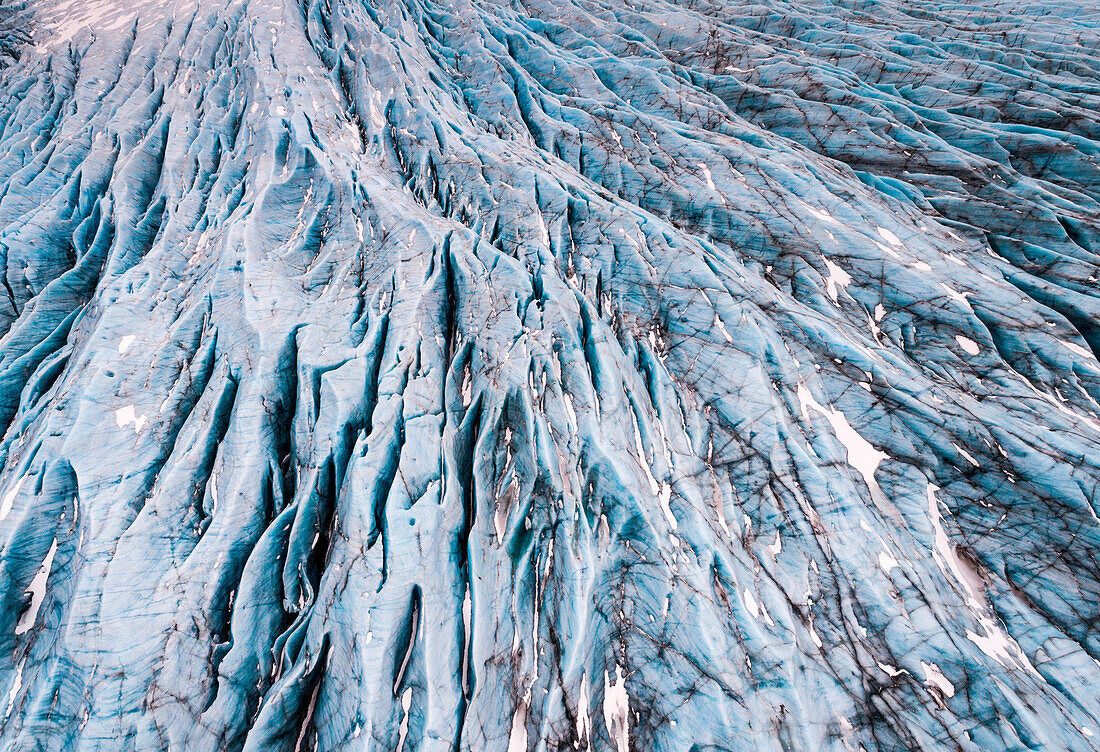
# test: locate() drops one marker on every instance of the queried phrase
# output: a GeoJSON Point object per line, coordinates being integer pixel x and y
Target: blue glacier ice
{"type": "Point", "coordinates": [626, 375]}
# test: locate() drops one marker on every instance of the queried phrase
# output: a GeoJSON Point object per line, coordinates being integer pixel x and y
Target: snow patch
{"type": "Point", "coordinates": [822, 215]}
{"type": "Point", "coordinates": [124, 416]}
{"type": "Point", "coordinates": [837, 278]}
{"type": "Point", "coordinates": [994, 642]}
{"type": "Point", "coordinates": [37, 590]}
{"type": "Point", "coordinates": [616, 710]}
{"type": "Point", "coordinates": [862, 456]}
{"type": "Point", "coordinates": [890, 237]}
{"type": "Point", "coordinates": [403, 729]}
{"type": "Point", "coordinates": [707, 175]}
{"type": "Point", "coordinates": [967, 344]}
{"type": "Point", "coordinates": [1076, 349]}
{"type": "Point", "coordinates": [775, 548]}
{"type": "Point", "coordinates": [935, 678]}
{"type": "Point", "coordinates": [16, 685]}
{"type": "Point", "coordinates": [517, 739]}
{"type": "Point", "coordinates": [584, 720]}
{"type": "Point", "coordinates": [9, 497]}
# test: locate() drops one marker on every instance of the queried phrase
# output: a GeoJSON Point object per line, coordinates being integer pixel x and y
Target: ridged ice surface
{"type": "Point", "coordinates": [549, 375]}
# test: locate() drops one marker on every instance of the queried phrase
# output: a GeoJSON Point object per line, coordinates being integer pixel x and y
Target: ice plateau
{"type": "Point", "coordinates": [627, 375]}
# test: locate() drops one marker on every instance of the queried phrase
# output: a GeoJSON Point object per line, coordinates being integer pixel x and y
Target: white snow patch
{"type": "Point", "coordinates": [837, 277]}
{"type": "Point", "coordinates": [517, 739]}
{"type": "Point", "coordinates": [125, 342]}
{"type": "Point", "coordinates": [943, 551]}
{"type": "Point", "coordinates": [969, 458]}
{"type": "Point", "coordinates": [37, 589]}
{"type": "Point", "coordinates": [17, 684]}
{"type": "Point", "coordinates": [890, 670]}
{"type": "Point", "coordinates": [1076, 349]}
{"type": "Point", "coordinates": [750, 603]}
{"type": "Point", "coordinates": [125, 416]}
{"type": "Point", "coordinates": [544, 232]}
{"type": "Point", "coordinates": [570, 412]}
{"type": "Point", "coordinates": [890, 237]}
{"type": "Point", "coordinates": [467, 396]}
{"type": "Point", "coordinates": [663, 497]}
{"type": "Point", "coordinates": [934, 677]}
{"type": "Point", "coordinates": [887, 249]}
{"type": "Point", "coordinates": [775, 548]}
{"type": "Point", "coordinates": [959, 296]}
{"type": "Point", "coordinates": [862, 456]}
{"type": "Point", "coordinates": [403, 729]}
{"type": "Point", "coordinates": [876, 332]}
{"type": "Point", "coordinates": [722, 327]}
{"type": "Point", "coordinates": [967, 344]}
{"type": "Point", "coordinates": [707, 175]}
{"type": "Point", "coordinates": [995, 642]}
{"type": "Point", "coordinates": [467, 608]}
{"type": "Point", "coordinates": [616, 710]}
{"type": "Point", "coordinates": [9, 497]}
{"type": "Point", "coordinates": [822, 215]}
{"type": "Point", "coordinates": [584, 720]}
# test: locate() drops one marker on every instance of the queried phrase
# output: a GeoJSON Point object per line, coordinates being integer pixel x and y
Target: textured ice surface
{"type": "Point", "coordinates": [549, 374]}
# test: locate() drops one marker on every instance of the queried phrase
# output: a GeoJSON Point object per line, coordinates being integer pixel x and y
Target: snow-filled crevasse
{"type": "Point", "coordinates": [552, 374]}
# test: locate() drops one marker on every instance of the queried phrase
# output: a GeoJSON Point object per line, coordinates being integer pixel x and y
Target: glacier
{"type": "Point", "coordinates": [549, 375]}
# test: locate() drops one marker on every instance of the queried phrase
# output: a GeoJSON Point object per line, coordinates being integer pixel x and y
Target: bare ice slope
{"type": "Point", "coordinates": [549, 374]}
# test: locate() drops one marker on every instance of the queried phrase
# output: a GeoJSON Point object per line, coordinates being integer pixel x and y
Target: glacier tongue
{"type": "Point", "coordinates": [553, 374]}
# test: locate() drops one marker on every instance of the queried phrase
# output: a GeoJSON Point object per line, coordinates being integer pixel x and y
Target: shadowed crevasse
{"type": "Point", "coordinates": [549, 374]}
